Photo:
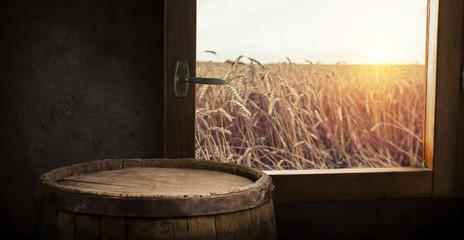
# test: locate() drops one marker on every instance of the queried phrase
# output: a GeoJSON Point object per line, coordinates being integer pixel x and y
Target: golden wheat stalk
{"type": "Point", "coordinates": [290, 116]}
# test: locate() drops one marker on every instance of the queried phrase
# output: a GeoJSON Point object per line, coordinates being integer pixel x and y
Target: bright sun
{"type": "Point", "coordinates": [379, 56]}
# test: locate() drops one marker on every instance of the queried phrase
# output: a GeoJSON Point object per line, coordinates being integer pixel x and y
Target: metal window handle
{"type": "Point", "coordinates": [182, 79]}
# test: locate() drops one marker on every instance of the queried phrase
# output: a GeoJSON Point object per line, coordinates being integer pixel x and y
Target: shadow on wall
{"type": "Point", "coordinates": [384, 219]}
{"type": "Point", "coordinates": [80, 81]}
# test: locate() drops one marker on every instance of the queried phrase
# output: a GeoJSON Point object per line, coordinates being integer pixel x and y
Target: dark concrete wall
{"type": "Point", "coordinates": [440, 218]}
{"type": "Point", "coordinates": [80, 80]}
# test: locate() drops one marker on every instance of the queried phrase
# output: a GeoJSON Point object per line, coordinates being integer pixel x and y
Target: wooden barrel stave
{"type": "Point", "coordinates": [254, 221]}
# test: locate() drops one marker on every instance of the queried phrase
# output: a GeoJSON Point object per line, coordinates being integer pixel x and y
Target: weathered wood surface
{"type": "Point", "coordinates": [256, 223]}
{"type": "Point", "coordinates": [142, 203]}
{"type": "Point", "coordinates": [449, 98]}
{"type": "Point", "coordinates": [180, 44]}
{"type": "Point", "coordinates": [159, 181]}
{"type": "Point", "coordinates": [350, 184]}
{"type": "Point", "coordinates": [431, 83]}
{"type": "Point", "coordinates": [155, 199]}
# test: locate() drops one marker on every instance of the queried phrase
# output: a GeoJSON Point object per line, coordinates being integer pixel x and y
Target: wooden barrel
{"type": "Point", "coordinates": [154, 199]}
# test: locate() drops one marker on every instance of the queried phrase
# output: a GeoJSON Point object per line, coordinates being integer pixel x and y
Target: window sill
{"type": "Point", "coordinates": [293, 186]}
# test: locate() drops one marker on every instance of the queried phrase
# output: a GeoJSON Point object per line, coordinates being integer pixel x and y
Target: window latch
{"type": "Point", "coordinates": [182, 79]}
{"type": "Point", "coordinates": [462, 80]}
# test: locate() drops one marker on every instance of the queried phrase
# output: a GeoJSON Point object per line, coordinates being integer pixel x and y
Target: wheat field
{"type": "Point", "coordinates": [310, 116]}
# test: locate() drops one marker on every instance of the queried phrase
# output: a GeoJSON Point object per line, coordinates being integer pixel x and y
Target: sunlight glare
{"type": "Point", "coordinates": [379, 56]}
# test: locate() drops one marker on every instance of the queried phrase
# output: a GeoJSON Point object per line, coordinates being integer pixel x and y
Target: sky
{"type": "Point", "coordinates": [329, 31]}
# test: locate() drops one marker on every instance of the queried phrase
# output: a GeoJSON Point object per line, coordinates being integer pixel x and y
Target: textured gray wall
{"type": "Point", "coordinates": [80, 80]}
{"type": "Point", "coordinates": [440, 218]}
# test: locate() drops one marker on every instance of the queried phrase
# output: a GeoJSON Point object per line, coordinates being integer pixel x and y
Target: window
{"type": "Point", "coordinates": [443, 132]}
{"type": "Point", "coordinates": [358, 102]}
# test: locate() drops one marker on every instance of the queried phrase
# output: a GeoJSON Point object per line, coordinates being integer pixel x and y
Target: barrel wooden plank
{"type": "Point", "coordinates": [161, 181]}
{"type": "Point", "coordinates": [112, 228]}
{"type": "Point", "coordinates": [86, 227]}
{"type": "Point", "coordinates": [263, 217]}
{"type": "Point", "coordinates": [64, 225]}
{"type": "Point", "coordinates": [171, 228]}
{"type": "Point", "coordinates": [233, 225]}
{"type": "Point", "coordinates": [155, 199]}
{"type": "Point", "coordinates": [140, 228]}
{"type": "Point", "coordinates": [201, 228]}
{"type": "Point", "coordinates": [257, 223]}
{"type": "Point", "coordinates": [46, 222]}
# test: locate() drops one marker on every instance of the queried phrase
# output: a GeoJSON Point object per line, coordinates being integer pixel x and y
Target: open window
{"type": "Point", "coordinates": [324, 85]}
{"type": "Point", "coordinates": [443, 110]}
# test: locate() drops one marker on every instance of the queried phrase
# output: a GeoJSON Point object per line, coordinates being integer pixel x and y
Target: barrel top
{"type": "Point", "coordinates": [157, 187]}
{"type": "Point", "coordinates": [158, 181]}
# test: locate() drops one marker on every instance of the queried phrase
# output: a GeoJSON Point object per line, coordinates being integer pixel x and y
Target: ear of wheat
{"type": "Point", "coordinates": [299, 116]}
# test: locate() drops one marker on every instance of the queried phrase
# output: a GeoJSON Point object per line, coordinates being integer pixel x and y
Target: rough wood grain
{"type": "Point", "coordinates": [179, 44]}
{"type": "Point", "coordinates": [171, 228]}
{"type": "Point", "coordinates": [65, 225]}
{"type": "Point", "coordinates": [263, 218]}
{"type": "Point", "coordinates": [448, 98]}
{"type": "Point", "coordinates": [201, 228]}
{"type": "Point", "coordinates": [431, 82]}
{"type": "Point", "coordinates": [254, 224]}
{"type": "Point", "coordinates": [233, 226]}
{"type": "Point", "coordinates": [140, 228]}
{"type": "Point", "coordinates": [46, 222]}
{"type": "Point", "coordinates": [161, 181]}
{"type": "Point", "coordinates": [93, 201]}
{"type": "Point", "coordinates": [350, 184]}
{"type": "Point", "coordinates": [113, 228]}
{"type": "Point", "coordinates": [257, 223]}
{"type": "Point", "coordinates": [460, 154]}
{"type": "Point", "coordinates": [145, 203]}
{"type": "Point", "coordinates": [86, 227]}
